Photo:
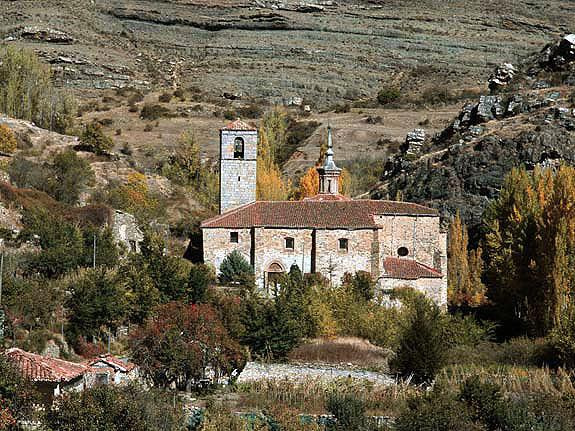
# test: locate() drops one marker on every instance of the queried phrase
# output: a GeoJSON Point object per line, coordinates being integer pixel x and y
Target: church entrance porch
{"type": "Point", "coordinates": [273, 276]}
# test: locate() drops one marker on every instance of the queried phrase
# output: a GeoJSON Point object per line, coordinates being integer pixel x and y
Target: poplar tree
{"type": "Point", "coordinates": [464, 285]}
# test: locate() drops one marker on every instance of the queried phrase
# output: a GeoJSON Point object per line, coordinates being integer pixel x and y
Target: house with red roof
{"type": "Point", "coordinates": [53, 377]}
{"type": "Point", "coordinates": [400, 244]}
{"type": "Point", "coordinates": [112, 370]}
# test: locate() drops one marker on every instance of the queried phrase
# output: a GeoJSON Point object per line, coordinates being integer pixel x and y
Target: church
{"type": "Point", "coordinates": [399, 243]}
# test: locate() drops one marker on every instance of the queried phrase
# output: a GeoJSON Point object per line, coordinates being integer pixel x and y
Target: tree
{"type": "Point", "coordinates": [134, 197]}
{"type": "Point", "coordinates": [95, 140]}
{"type": "Point", "coordinates": [64, 176]}
{"type": "Point", "coordinates": [275, 326]}
{"type": "Point", "coordinates": [180, 342]}
{"type": "Point", "coordinates": [529, 245]}
{"type": "Point", "coordinates": [116, 408]}
{"type": "Point", "coordinates": [464, 285]}
{"type": "Point", "coordinates": [142, 294]}
{"type": "Point", "coordinates": [27, 91]}
{"type": "Point", "coordinates": [421, 350]}
{"type": "Point", "coordinates": [8, 141]}
{"type": "Point", "coordinates": [272, 136]}
{"type": "Point", "coordinates": [98, 303]}
{"type": "Point", "coordinates": [71, 176]}
{"type": "Point", "coordinates": [235, 269]}
{"type": "Point", "coordinates": [184, 165]}
{"type": "Point", "coordinates": [201, 277]}
{"type": "Point", "coordinates": [169, 274]}
{"type": "Point", "coordinates": [17, 396]}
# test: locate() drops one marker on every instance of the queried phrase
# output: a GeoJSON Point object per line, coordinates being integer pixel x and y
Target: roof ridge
{"type": "Point", "coordinates": [228, 213]}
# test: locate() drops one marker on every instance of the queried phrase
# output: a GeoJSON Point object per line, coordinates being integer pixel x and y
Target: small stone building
{"type": "Point", "coordinates": [399, 243]}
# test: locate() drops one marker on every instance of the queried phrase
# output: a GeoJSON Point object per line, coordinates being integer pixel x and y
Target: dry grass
{"type": "Point", "coordinates": [513, 379]}
{"type": "Point", "coordinates": [310, 395]}
{"type": "Point", "coordinates": [343, 350]}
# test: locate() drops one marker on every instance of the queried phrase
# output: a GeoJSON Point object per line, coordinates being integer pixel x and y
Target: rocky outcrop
{"type": "Point", "coordinates": [502, 76]}
{"type": "Point", "coordinates": [463, 168]}
{"type": "Point", "coordinates": [41, 34]}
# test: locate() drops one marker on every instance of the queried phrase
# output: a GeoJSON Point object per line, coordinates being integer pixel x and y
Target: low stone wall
{"type": "Point", "coordinates": [255, 371]}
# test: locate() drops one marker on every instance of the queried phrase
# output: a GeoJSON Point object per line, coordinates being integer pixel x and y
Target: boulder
{"type": "Point", "coordinates": [502, 76]}
{"type": "Point", "coordinates": [413, 142]}
{"type": "Point", "coordinates": [488, 108]}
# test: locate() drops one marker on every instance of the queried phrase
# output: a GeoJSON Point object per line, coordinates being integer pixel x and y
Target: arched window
{"type": "Point", "coordinates": [402, 251]}
{"type": "Point", "coordinates": [238, 148]}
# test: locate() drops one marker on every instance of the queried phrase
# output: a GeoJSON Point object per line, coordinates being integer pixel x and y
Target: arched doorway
{"type": "Point", "coordinates": [273, 275]}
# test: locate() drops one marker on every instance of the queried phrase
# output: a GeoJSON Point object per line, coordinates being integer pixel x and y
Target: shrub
{"type": "Point", "coordinates": [181, 342]}
{"type": "Point", "coordinates": [8, 142]}
{"type": "Point", "coordinates": [116, 408]}
{"type": "Point", "coordinates": [201, 276]}
{"type": "Point", "coordinates": [388, 95]}
{"type": "Point", "coordinates": [93, 139]}
{"type": "Point", "coordinates": [153, 112]}
{"type": "Point", "coordinates": [180, 94]}
{"type": "Point", "coordinates": [250, 111]}
{"type": "Point", "coordinates": [349, 412]}
{"type": "Point", "coordinates": [435, 411]}
{"type": "Point", "coordinates": [235, 269]}
{"type": "Point", "coordinates": [421, 351]}
{"type": "Point", "coordinates": [165, 98]}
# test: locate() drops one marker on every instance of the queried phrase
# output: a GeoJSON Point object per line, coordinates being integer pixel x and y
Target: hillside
{"type": "Point", "coordinates": [528, 122]}
{"type": "Point", "coordinates": [322, 51]}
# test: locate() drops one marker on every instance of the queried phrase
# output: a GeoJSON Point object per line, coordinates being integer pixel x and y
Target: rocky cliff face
{"type": "Point", "coordinates": [529, 122]}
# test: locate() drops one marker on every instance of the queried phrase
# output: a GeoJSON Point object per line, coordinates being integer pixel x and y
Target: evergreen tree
{"type": "Point", "coordinates": [235, 269]}
{"type": "Point", "coordinates": [421, 350]}
{"type": "Point", "coordinates": [201, 277]}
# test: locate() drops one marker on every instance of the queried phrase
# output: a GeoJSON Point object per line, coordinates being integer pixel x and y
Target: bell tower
{"type": "Point", "coordinates": [329, 173]}
{"type": "Point", "coordinates": [238, 165]}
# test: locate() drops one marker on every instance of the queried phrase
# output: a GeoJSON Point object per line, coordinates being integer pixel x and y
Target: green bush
{"type": "Point", "coordinates": [201, 277]}
{"type": "Point", "coordinates": [153, 112]}
{"type": "Point", "coordinates": [388, 95]}
{"type": "Point", "coordinates": [435, 411]}
{"type": "Point", "coordinates": [349, 411]}
{"type": "Point", "coordinates": [95, 140]}
{"type": "Point", "coordinates": [115, 408]}
{"type": "Point", "coordinates": [235, 269]}
{"type": "Point", "coordinates": [422, 349]}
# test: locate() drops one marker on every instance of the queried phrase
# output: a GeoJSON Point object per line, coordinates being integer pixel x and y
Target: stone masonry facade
{"type": "Point", "coordinates": [237, 170]}
{"type": "Point", "coordinates": [399, 243]}
{"type": "Point", "coordinates": [318, 250]}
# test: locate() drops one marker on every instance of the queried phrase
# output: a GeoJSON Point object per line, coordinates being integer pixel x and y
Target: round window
{"type": "Point", "coordinates": [402, 251]}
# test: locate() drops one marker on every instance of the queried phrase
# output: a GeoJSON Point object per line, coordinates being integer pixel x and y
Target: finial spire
{"type": "Point", "coordinates": [329, 172]}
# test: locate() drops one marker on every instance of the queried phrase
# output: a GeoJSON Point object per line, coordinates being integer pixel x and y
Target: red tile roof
{"type": "Point", "coordinates": [40, 368]}
{"type": "Point", "coordinates": [239, 125]}
{"type": "Point", "coordinates": [327, 197]}
{"type": "Point", "coordinates": [408, 269]}
{"type": "Point", "coordinates": [350, 214]}
{"type": "Point", "coordinates": [115, 363]}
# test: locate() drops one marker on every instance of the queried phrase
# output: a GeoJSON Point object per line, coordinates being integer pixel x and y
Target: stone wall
{"type": "Point", "coordinates": [126, 231]}
{"type": "Point", "coordinates": [420, 235]}
{"type": "Point", "coordinates": [433, 288]}
{"type": "Point", "coordinates": [270, 248]}
{"type": "Point", "coordinates": [238, 183]}
{"type": "Point", "coordinates": [217, 245]}
{"type": "Point", "coordinates": [333, 262]}
{"type": "Point", "coordinates": [237, 176]}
